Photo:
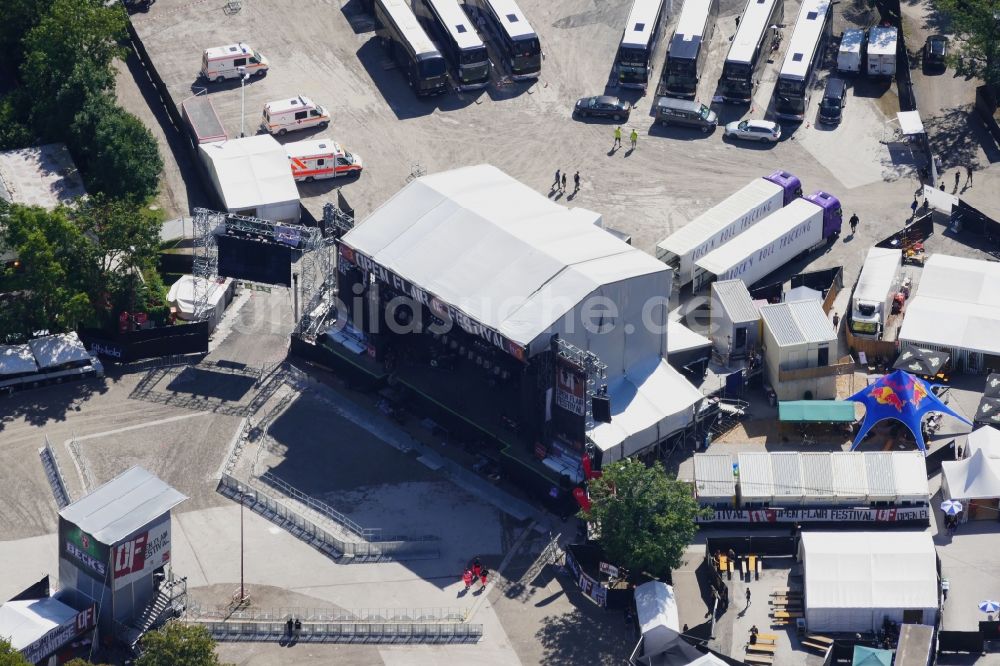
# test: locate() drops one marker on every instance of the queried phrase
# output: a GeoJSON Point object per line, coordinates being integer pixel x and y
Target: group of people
{"type": "Point", "coordinates": [293, 628]}
{"type": "Point", "coordinates": [633, 137]}
{"type": "Point", "coordinates": [476, 571]}
{"type": "Point", "coordinates": [559, 184]}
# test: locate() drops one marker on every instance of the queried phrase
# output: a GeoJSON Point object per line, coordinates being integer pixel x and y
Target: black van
{"type": "Point", "coordinates": [670, 111]}
{"type": "Point", "coordinates": [834, 100]}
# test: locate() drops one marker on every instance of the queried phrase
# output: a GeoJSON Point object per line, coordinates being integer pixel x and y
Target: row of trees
{"type": "Point", "coordinates": [174, 645]}
{"type": "Point", "coordinates": [61, 54]}
{"type": "Point", "coordinates": [977, 22]}
{"type": "Point", "coordinates": [79, 265]}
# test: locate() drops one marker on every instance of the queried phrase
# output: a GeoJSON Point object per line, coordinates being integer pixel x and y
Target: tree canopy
{"type": "Point", "coordinates": [178, 644]}
{"type": "Point", "coordinates": [11, 657]}
{"type": "Point", "coordinates": [977, 23]}
{"type": "Point", "coordinates": [644, 517]}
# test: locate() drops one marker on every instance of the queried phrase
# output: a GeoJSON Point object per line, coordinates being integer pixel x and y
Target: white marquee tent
{"type": "Point", "coordinates": [252, 177]}
{"type": "Point", "coordinates": [977, 476]}
{"type": "Point", "coordinates": [853, 580]}
{"type": "Point", "coordinates": [963, 293]}
{"type": "Point", "coordinates": [656, 611]}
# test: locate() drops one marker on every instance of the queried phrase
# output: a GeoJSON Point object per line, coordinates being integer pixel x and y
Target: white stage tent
{"type": "Point", "coordinates": [853, 580]}
{"type": "Point", "coordinates": [496, 256]}
{"type": "Point", "coordinates": [656, 611]}
{"type": "Point", "coordinates": [252, 177]}
{"type": "Point", "coordinates": [957, 309]}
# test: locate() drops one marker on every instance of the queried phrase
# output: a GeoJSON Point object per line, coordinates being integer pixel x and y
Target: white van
{"type": "Point", "coordinates": [224, 62]}
{"type": "Point", "coordinates": [321, 158]}
{"type": "Point", "coordinates": [288, 115]}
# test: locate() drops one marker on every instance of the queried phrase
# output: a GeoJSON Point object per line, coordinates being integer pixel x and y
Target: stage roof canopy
{"type": "Point", "coordinates": [24, 622]}
{"type": "Point", "coordinates": [505, 255]}
{"type": "Point", "coordinates": [957, 306]}
{"type": "Point", "coordinates": [122, 505]}
{"type": "Point", "coordinates": [251, 172]}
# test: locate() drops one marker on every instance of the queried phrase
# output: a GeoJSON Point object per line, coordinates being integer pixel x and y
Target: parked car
{"type": "Point", "coordinates": [754, 130]}
{"type": "Point", "coordinates": [602, 106]}
{"type": "Point", "coordinates": [935, 52]}
{"type": "Point", "coordinates": [670, 111]}
{"type": "Point", "coordinates": [831, 107]}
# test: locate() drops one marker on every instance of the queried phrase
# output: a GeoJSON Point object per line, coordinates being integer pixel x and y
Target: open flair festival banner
{"type": "Point", "coordinates": [781, 516]}
{"type": "Point", "coordinates": [445, 311]}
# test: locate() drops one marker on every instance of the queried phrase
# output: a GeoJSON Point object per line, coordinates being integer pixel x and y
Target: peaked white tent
{"type": "Point", "coordinates": [853, 580]}
{"type": "Point", "coordinates": [986, 439]}
{"type": "Point", "coordinates": [977, 477]}
{"type": "Point", "coordinates": [656, 610]}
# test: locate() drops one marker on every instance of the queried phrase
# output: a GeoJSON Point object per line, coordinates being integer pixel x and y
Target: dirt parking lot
{"type": "Point", "coordinates": [325, 50]}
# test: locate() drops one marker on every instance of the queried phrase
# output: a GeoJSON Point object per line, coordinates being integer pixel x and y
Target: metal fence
{"type": "Point", "coordinates": [441, 615]}
{"type": "Point", "coordinates": [56, 479]}
{"type": "Point", "coordinates": [345, 632]}
{"type": "Point", "coordinates": [318, 536]}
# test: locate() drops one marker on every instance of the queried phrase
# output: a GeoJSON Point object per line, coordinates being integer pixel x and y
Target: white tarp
{"type": "Point", "coordinates": [52, 351]}
{"type": "Point", "coordinates": [957, 306]}
{"type": "Point", "coordinates": [681, 338]}
{"type": "Point", "coordinates": [252, 173]}
{"type": "Point", "coordinates": [648, 403]}
{"type": "Point", "coordinates": [909, 122]}
{"type": "Point", "coordinates": [24, 622]}
{"type": "Point", "coordinates": [16, 360]}
{"type": "Point", "coordinates": [505, 255]}
{"type": "Point", "coordinates": [184, 295]}
{"type": "Point", "coordinates": [656, 612]}
{"type": "Point", "coordinates": [855, 579]}
{"type": "Point", "coordinates": [976, 477]}
{"type": "Point", "coordinates": [986, 438]}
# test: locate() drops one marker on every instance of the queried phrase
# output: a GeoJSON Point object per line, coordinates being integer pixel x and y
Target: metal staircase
{"type": "Point", "coordinates": [169, 603]}
{"type": "Point", "coordinates": [731, 412]}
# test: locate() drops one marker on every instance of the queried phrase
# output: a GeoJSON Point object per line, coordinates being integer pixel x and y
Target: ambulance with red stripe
{"type": "Point", "coordinates": [321, 158]}
{"type": "Point", "coordinates": [224, 62]}
{"type": "Point", "coordinates": [297, 113]}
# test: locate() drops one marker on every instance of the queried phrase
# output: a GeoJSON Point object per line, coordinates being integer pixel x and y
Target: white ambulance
{"type": "Point", "coordinates": [288, 115]}
{"type": "Point", "coordinates": [224, 62]}
{"type": "Point", "coordinates": [321, 158]}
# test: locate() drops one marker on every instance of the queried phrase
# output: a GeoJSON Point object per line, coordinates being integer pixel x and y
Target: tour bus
{"type": "Point", "coordinates": [410, 47]}
{"type": "Point", "coordinates": [447, 22]}
{"type": "Point", "coordinates": [635, 53]}
{"type": "Point", "coordinates": [688, 48]}
{"type": "Point", "coordinates": [514, 38]}
{"type": "Point", "coordinates": [803, 59]}
{"type": "Point", "coordinates": [224, 62]}
{"type": "Point", "coordinates": [750, 49]}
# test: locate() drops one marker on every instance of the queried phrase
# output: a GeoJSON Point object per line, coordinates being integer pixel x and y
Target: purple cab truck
{"type": "Point", "coordinates": [729, 218]}
{"type": "Point", "coordinates": [801, 226]}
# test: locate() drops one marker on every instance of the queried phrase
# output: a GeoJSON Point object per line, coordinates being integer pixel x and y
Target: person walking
{"type": "Point", "coordinates": [289, 627]}
{"type": "Point", "coordinates": [634, 138]}
{"type": "Point", "coordinates": [958, 177]}
{"type": "Point", "coordinates": [854, 223]}
{"type": "Point", "coordinates": [968, 175]}
{"type": "Point", "coordinates": [555, 183]}
{"type": "Point", "coordinates": [618, 138]}
{"type": "Point", "coordinates": [576, 182]}
{"type": "Point", "coordinates": [564, 182]}
{"type": "Point", "coordinates": [748, 597]}
{"type": "Point", "coordinates": [467, 579]}
{"type": "Point", "coordinates": [482, 578]}
{"type": "Point", "coordinates": [298, 628]}
{"type": "Point", "coordinates": [836, 320]}
{"type": "Point", "coordinates": [913, 207]}
{"type": "Point", "coordinates": [477, 568]}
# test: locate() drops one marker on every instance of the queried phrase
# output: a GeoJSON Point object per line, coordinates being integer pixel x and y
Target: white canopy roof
{"type": "Point", "coordinates": [977, 477]}
{"type": "Point", "coordinates": [853, 578]}
{"type": "Point", "coordinates": [16, 359]}
{"type": "Point", "coordinates": [54, 350]}
{"type": "Point", "coordinates": [803, 293]}
{"type": "Point", "coordinates": [957, 305]}
{"type": "Point", "coordinates": [649, 402]}
{"type": "Point", "coordinates": [24, 622]}
{"type": "Point", "coordinates": [502, 253]}
{"type": "Point", "coordinates": [251, 172]}
{"type": "Point", "coordinates": [681, 338]}
{"type": "Point", "coordinates": [987, 439]}
{"type": "Point", "coordinates": [656, 609]}
{"type": "Point", "coordinates": [909, 121]}
{"type": "Point", "coordinates": [184, 293]}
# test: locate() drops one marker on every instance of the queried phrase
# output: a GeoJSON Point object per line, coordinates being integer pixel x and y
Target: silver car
{"type": "Point", "coordinates": [754, 130]}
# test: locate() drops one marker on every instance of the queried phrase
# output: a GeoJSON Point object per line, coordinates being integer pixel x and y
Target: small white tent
{"type": "Point", "coordinates": [656, 608]}
{"type": "Point", "coordinates": [853, 580]}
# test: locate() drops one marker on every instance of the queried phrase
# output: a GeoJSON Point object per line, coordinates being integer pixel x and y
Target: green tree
{"type": "Point", "coordinates": [82, 662]}
{"type": "Point", "coordinates": [977, 24]}
{"type": "Point", "coordinates": [644, 517]}
{"type": "Point", "coordinates": [127, 239]}
{"type": "Point", "coordinates": [14, 134]}
{"type": "Point", "coordinates": [178, 644]}
{"type": "Point", "coordinates": [120, 155]}
{"type": "Point", "coordinates": [19, 16]}
{"type": "Point", "coordinates": [11, 657]}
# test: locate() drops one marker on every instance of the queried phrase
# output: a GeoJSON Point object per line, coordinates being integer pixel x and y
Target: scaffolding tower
{"type": "Point", "coordinates": [205, 265]}
{"type": "Point", "coordinates": [596, 371]}
{"type": "Point", "coordinates": [318, 272]}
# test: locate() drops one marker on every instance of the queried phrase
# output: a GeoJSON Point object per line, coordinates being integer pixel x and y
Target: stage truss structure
{"type": "Point", "coordinates": [316, 267]}
{"type": "Point", "coordinates": [596, 371]}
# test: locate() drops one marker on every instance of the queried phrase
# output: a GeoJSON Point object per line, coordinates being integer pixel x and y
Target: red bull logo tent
{"type": "Point", "coordinates": [899, 396]}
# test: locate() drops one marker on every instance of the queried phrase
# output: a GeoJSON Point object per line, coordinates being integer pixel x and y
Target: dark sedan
{"type": "Point", "coordinates": [936, 52]}
{"type": "Point", "coordinates": [602, 106]}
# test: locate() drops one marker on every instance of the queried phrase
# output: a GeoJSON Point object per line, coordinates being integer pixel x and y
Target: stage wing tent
{"type": "Point", "coordinates": [899, 396]}
{"type": "Point", "coordinates": [855, 579]}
